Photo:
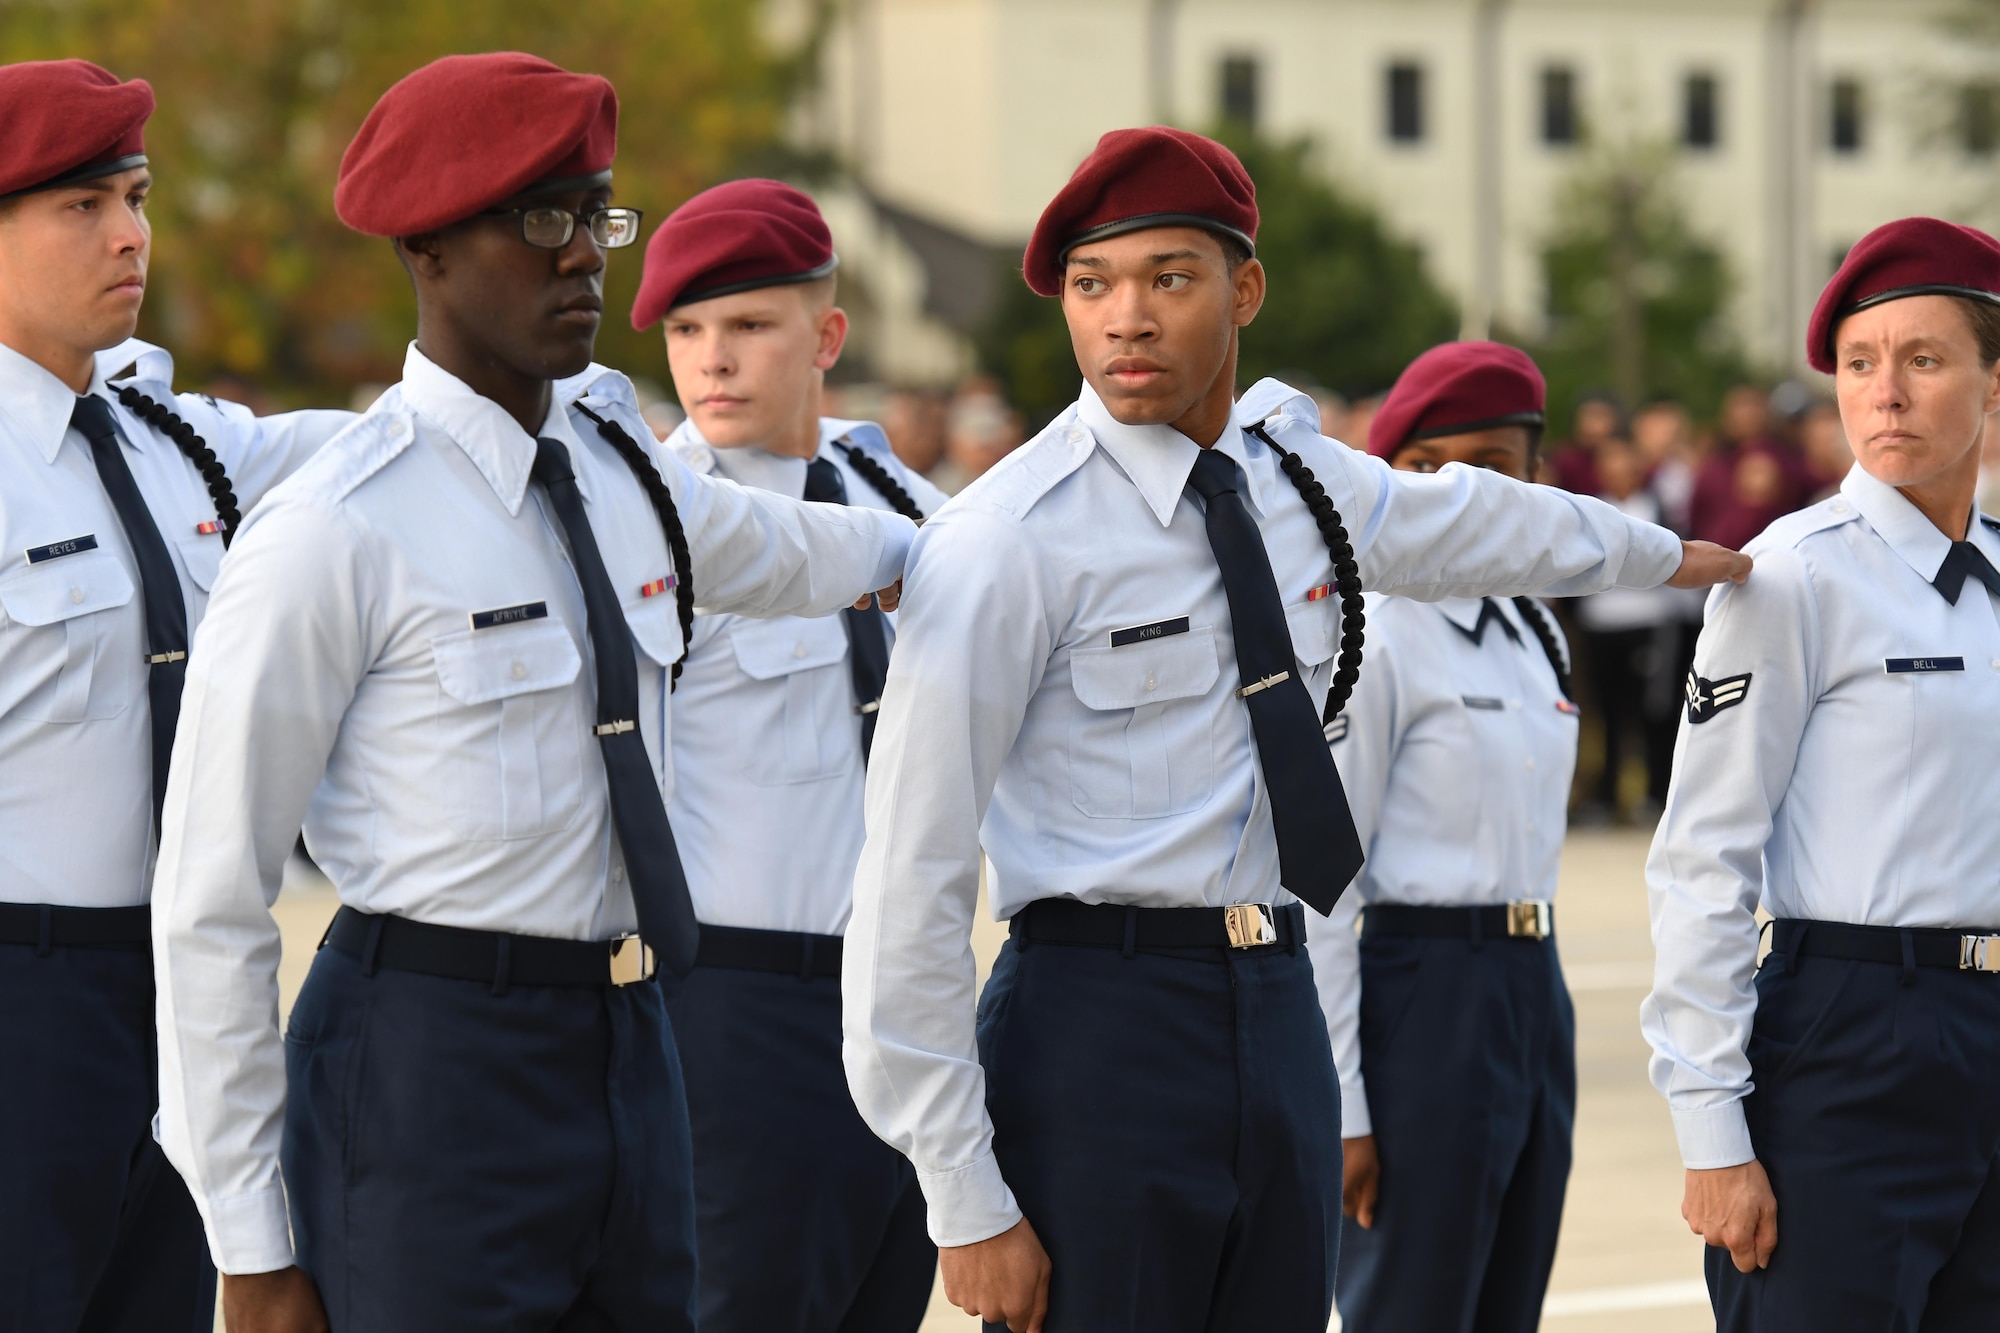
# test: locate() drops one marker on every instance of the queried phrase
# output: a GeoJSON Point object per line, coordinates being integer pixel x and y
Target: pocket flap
{"type": "Point", "coordinates": [480, 665]}
{"type": "Point", "coordinates": [768, 649]}
{"type": "Point", "coordinates": [656, 627]}
{"type": "Point", "coordinates": [63, 589]}
{"type": "Point", "coordinates": [1314, 637]}
{"type": "Point", "coordinates": [1181, 667]}
{"type": "Point", "coordinates": [203, 557]}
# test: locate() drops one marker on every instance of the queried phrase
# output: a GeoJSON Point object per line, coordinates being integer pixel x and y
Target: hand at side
{"type": "Point", "coordinates": [1003, 1279]}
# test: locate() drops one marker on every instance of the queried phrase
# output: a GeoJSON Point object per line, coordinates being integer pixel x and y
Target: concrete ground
{"type": "Point", "coordinates": [1626, 1261]}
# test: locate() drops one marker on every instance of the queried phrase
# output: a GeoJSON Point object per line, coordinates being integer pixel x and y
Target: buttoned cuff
{"type": "Point", "coordinates": [897, 534]}
{"type": "Point", "coordinates": [1713, 1136]}
{"type": "Point", "coordinates": [1655, 556]}
{"type": "Point", "coordinates": [1355, 1121]}
{"type": "Point", "coordinates": [249, 1233]}
{"type": "Point", "coordinates": [970, 1204]}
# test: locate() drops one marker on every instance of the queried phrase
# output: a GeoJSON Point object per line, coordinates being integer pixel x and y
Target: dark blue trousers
{"type": "Point", "coordinates": [97, 1230]}
{"type": "Point", "coordinates": [806, 1222]}
{"type": "Point", "coordinates": [462, 1159]}
{"type": "Point", "coordinates": [1170, 1125]}
{"type": "Point", "coordinates": [1876, 1113]}
{"type": "Point", "coordinates": [1469, 1054]}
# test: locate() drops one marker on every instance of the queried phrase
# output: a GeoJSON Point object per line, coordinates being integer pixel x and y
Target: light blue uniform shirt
{"type": "Point", "coordinates": [1120, 774]}
{"type": "Point", "coordinates": [1457, 759]}
{"type": "Point", "coordinates": [1846, 771]}
{"type": "Point", "coordinates": [76, 733]}
{"type": "Point", "coordinates": [767, 743]}
{"type": "Point", "coordinates": [444, 769]}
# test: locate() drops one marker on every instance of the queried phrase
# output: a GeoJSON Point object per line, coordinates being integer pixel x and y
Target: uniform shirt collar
{"type": "Point", "coordinates": [1159, 459]}
{"type": "Point", "coordinates": [493, 440]}
{"type": "Point", "coordinates": [36, 406]}
{"type": "Point", "coordinates": [1462, 611]}
{"type": "Point", "coordinates": [747, 465]}
{"type": "Point", "coordinates": [143, 359]}
{"type": "Point", "coordinates": [1905, 528]}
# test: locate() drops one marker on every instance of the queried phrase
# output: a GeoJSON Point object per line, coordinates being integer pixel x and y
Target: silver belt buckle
{"type": "Point", "coordinates": [1249, 925]}
{"type": "Point", "coordinates": [1979, 953]}
{"type": "Point", "coordinates": [631, 960]}
{"type": "Point", "coordinates": [1530, 918]}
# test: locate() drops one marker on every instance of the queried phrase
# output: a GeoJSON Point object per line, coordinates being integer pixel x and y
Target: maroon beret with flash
{"type": "Point", "coordinates": [1456, 388]}
{"type": "Point", "coordinates": [1135, 179]}
{"type": "Point", "coordinates": [737, 237]}
{"type": "Point", "coordinates": [1908, 257]}
{"type": "Point", "coordinates": [463, 133]}
{"type": "Point", "coordinates": [68, 121]}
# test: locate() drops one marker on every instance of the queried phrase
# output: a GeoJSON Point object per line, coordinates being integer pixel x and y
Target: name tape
{"type": "Point", "coordinates": [1159, 629]}
{"type": "Point", "coordinates": [510, 615]}
{"type": "Point", "coordinates": [57, 550]}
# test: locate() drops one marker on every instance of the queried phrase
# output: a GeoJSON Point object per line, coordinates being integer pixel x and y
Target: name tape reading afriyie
{"type": "Point", "coordinates": [1159, 629]}
{"type": "Point", "coordinates": [510, 615]}
{"type": "Point", "coordinates": [57, 550]}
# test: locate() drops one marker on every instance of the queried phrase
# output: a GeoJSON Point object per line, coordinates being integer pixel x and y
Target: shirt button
{"type": "Point", "coordinates": [519, 670]}
{"type": "Point", "coordinates": [618, 874]}
{"type": "Point", "coordinates": [1996, 664]}
{"type": "Point", "coordinates": [1841, 506]}
{"type": "Point", "coordinates": [76, 595]}
{"type": "Point", "coordinates": [1531, 765]}
{"type": "Point", "coordinates": [798, 650]}
{"type": "Point", "coordinates": [1152, 681]}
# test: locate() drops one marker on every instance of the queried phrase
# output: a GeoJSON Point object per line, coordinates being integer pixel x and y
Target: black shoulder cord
{"type": "Point", "coordinates": [166, 421]}
{"type": "Point", "coordinates": [1539, 623]}
{"type": "Point", "coordinates": [656, 490]}
{"type": "Point", "coordinates": [1346, 574]}
{"type": "Point", "coordinates": [878, 476]}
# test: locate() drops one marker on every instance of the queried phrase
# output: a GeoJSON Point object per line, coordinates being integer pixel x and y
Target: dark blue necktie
{"type": "Point", "coordinates": [1489, 614]}
{"type": "Point", "coordinates": [867, 636]}
{"type": "Point", "coordinates": [1319, 850]}
{"type": "Point", "coordinates": [1962, 560]}
{"type": "Point", "coordinates": [659, 885]}
{"type": "Point", "coordinates": [166, 610]}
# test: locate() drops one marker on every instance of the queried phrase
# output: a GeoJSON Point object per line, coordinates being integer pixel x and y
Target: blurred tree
{"type": "Point", "coordinates": [254, 276]}
{"type": "Point", "coordinates": [1348, 308]}
{"type": "Point", "coordinates": [1637, 303]}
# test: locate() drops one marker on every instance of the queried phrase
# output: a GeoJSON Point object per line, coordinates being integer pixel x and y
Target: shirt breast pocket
{"type": "Point", "coordinates": [1315, 628]}
{"type": "Point", "coordinates": [65, 660]}
{"type": "Point", "coordinates": [511, 730]}
{"type": "Point", "coordinates": [799, 666]}
{"type": "Point", "coordinates": [1142, 744]}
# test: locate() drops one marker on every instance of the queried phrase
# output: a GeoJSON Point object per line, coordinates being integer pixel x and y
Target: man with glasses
{"type": "Point", "coordinates": [447, 647]}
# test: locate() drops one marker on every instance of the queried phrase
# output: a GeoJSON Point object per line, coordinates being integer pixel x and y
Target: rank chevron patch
{"type": "Point", "coordinates": [1336, 730]}
{"type": "Point", "coordinates": [1706, 698]}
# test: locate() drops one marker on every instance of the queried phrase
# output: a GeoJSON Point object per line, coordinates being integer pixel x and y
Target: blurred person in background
{"type": "Point", "coordinates": [1837, 1105]}
{"type": "Point", "coordinates": [1823, 441]}
{"type": "Point", "coordinates": [1572, 464]}
{"type": "Point", "coordinates": [914, 420]}
{"type": "Point", "coordinates": [1750, 478]}
{"type": "Point", "coordinates": [1664, 436]}
{"type": "Point", "coordinates": [662, 416]}
{"type": "Point", "coordinates": [805, 1222]}
{"type": "Point", "coordinates": [1333, 413]}
{"type": "Point", "coordinates": [1360, 420]}
{"type": "Point", "coordinates": [1631, 639]}
{"type": "Point", "coordinates": [981, 429]}
{"type": "Point", "coordinates": [1451, 1028]}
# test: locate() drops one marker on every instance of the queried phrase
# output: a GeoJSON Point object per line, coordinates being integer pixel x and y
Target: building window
{"type": "Point", "coordinates": [1560, 123]}
{"type": "Point", "coordinates": [1844, 116]}
{"type": "Point", "coordinates": [1406, 103]}
{"type": "Point", "coordinates": [1979, 118]}
{"type": "Point", "coordinates": [1238, 91]}
{"type": "Point", "coordinates": [1701, 112]}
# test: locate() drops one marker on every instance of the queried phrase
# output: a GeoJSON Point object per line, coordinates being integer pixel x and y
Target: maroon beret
{"type": "Point", "coordinates": [1455, 388]}
{"type": "Point", "coordinates": [1134, 179]}
{"type": "Point", "coordinates": [737, 237]}
{"type": "Point", "coordinates": [68, 121]}
{"type": "Point", "coordinates": [465, 132]}
{"type": "Point", "coordinates": [1908, 257]}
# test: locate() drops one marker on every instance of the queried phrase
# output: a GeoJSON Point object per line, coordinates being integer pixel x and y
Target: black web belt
{"type": "Point", "coordinates": [1529, 919]}
{"type": "Point", "coordinates": [1908, 946]}
{"type": "Point", "coordinates": [501, 960]}
{"type": "Point", "coordinates": [785, 951]}
{"type": "Point", "coordinates": [1113, 926]}
{"type": "Point", "coordinates": [46, 926]}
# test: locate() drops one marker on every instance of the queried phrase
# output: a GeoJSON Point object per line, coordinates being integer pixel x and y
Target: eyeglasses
{"type": "Point", "coordinates": [551, 228]}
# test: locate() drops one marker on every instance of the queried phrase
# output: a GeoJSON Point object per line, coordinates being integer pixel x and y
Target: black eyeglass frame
{"type": "Point", "coordinates": [588, 216]}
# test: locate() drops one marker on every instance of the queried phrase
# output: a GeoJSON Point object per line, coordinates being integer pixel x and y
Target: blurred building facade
{"type": "Point", "coordinates": [1799, 124]}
